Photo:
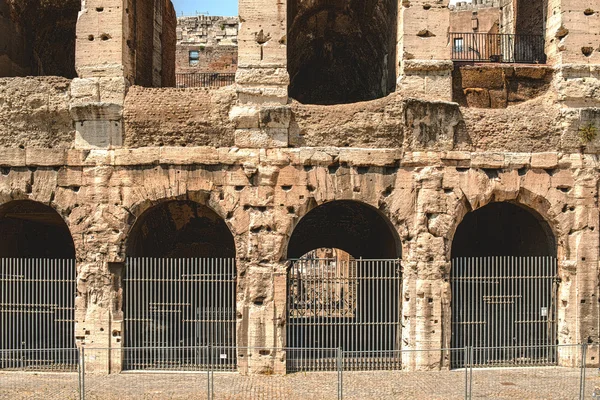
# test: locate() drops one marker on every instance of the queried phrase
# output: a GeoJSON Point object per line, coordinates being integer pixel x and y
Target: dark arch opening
{"type": "Point", "coordinates": [179, 288]}
{"type": "Point", "coordinates": [29, 229]}
{"type": "Point", "coordinates": [180, 229]}
{"type": "Point", "coordinates": [37, 287]}
{"type": "Point", "coordinates": [354, 227]}
{"type": "Point", "coordinates": [38, 37]}
{"type": "Point", "coordinates": [503, 280]}
{"type": "Point", "coordinates": [503, 229]}
{"type": "Point", "coordinates": [343, 286]}
{"type": "Point", "coordinates": [341, 52]}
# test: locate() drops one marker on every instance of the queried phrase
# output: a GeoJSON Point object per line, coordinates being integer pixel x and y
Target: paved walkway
{"type": "Point", "coordinates": [526, 383]}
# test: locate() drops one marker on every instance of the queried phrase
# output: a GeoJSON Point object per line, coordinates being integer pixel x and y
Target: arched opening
{"type": "Point", "coordinates": [37, 288]}
{"type": "Point", "coordinates": [179, 289]}
{"type": "Point", "coordinates": [504, 277]}
{"type": "Point", "coordinates": [38, 37]}
{"type": "Point", "coordinates": [341, 52]}
{"type": "Point", "coordinates": [343, 287]}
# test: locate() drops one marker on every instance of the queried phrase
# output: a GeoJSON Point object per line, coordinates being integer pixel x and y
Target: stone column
{"type": "Point", "coordinates": [423, 49]}
{"type": "Point", "coordinates": [101, 61]}
{"type": "Point", "coordinates": [262, 78]}
{"type": "Point", "coordinates": [97, 226]}
{"type": "Point", "coordinates": [426, 288]}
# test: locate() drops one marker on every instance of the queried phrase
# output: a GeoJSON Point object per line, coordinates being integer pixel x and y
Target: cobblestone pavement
{"type": "Point", "coordinates": [533, 383]}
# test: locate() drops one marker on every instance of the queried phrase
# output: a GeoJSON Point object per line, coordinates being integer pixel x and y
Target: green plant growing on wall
{"type": "Point", "coordinates": [588, 132]}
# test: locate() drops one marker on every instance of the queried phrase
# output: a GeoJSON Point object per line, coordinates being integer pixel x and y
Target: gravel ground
{"type": "Point", "coordinates": [525, 383]}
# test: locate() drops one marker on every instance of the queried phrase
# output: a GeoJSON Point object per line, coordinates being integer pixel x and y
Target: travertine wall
{"type": "Point", "coordinates": [101, 152]}
{"type": "Point", "coordinates": [261, 195]}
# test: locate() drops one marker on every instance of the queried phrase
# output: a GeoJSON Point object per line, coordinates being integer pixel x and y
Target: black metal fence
{"type": "Point", "coordinates": [204, 79]}
{"type": "Point", "coordinates": [498, 47]}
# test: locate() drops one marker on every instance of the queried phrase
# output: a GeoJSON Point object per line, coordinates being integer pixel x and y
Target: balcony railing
{"type": "Point", "coordinates": [204, 79]}
{"type": "Point", "coordinates": [498, 47]}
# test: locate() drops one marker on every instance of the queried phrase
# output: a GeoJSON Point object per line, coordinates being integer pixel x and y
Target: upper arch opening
{"type": "Point", "coordinates": [180, 229]}
{"type": "Point", "coordinates": [356, 228]}
{"type": "Point", "coordinates": [38, 37]}
{"type": "Point", "coordinates": [503, 229]}
{"type": "Point", "coordinates": [341, 51]}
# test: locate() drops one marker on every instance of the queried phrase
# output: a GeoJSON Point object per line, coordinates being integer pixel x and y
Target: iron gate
{"type": "Point", "coordinates": [37, 313]}
{"type": "Point", "coordinates": [179, 313]}
{"type": "Point", "coordinates": [353, 305]}
{"type": "Point", "coordinates": [505, 308]}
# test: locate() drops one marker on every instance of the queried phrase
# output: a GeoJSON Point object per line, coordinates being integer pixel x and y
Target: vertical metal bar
{"type": "Point", "coordinates": [584, 347]}
{"type": "Point", "coordinates": [340, 373]}
{"type": "Point", "coordinates": [465, 355]}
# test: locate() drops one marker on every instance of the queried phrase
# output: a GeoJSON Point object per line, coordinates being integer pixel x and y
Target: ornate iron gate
{"type": "Point", "coordinates": [179, 313]}
{"type": "Point", "coordinates": [349, 304]}
{"type": "Point", "coordinates": [505, 308]}
{"type": "Point", "coordinates": [37, 313]}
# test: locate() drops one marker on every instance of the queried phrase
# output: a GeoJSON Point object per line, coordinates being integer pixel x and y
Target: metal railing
{"type": "Point", "coordinates": [506, 308]}
{"type": "Point", "coordinates": [172, 307]}
{"type": "Point", "coordinates": [204, 79]}
{"type": "Point", "coordinates": [37, 312]}
{"type": "Point", "coordinates": [349, 304]}
{"type": "Point", "coordinates": [498, 47]}
{"type": "Point", "coordinates": [419, 374]}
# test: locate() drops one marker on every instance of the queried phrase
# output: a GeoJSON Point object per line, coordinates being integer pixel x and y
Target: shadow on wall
{"type": "Point", "coordinates": [341, 52]}
{"type": "Point", "coordinates": [39, 37]}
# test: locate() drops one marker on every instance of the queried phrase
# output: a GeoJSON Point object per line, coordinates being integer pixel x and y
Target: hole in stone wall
{"type": "Point", "coordinates": [341, 52]}
{"type": "Point", "coordinates": [38, 37]}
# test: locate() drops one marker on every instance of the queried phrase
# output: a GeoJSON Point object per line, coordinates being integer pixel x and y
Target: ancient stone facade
{"type": "Point", "coordinates": [101, 150]}
{"type": "Point", "coordinates": [207, 44]}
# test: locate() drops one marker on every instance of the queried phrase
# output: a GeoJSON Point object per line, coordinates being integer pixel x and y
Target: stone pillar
{"type": "Point", "coordinates": [101, 63]}
{"type": "Point", "coordinates": [97, 227]}
{"type": "Point", "coordinates": [426, 288]}
{"type": "Point", "coordinates": [423, 49]}
{"type": "Point", "coordinates": [262, 78]}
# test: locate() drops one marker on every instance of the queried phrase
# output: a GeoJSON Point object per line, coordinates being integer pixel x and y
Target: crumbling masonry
{"type": "Point", "coordinates": [360, 103]}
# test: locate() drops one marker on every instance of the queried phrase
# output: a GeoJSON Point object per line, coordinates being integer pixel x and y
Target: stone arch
{"type": "Point", "coordinates": [30, 229]}
{"type": "Point", "coordinates": [516, 230]}
{"type": "Point", "coordinates": [185, 219]}
{"type": "Point", "coordinates": [341, 52]}
{"type": "Point", "coordinates": [205, 199]}
{"type": "Point", "coordinates": [179, 282]}
{"type": "Point", "coordinates": [503, 283]}
{"type": "Point", "coordinates": [339, 224]}
{"type": "Point", "coordinates": [39, 37]}
{"type": "Point", "coordinates": [38, 272]}
{"type": "Point", "coordinates": [527, 199]}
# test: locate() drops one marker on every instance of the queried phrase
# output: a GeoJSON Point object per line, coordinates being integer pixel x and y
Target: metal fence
{"type": "Point", "coordinates": [419, 374]}
{"type": "Point", "coordinates": [505, 307]}
{"type": "Point", "coordinates": [498, 47]}
{"type": "Point", "coordinates": [349, 304]}
{"type": "Point", "coordinates": [172, 307]}
{"type": "Point", "coordinates": [204, 79]}
{"type": "Point", "coordinates": [37, 312]}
